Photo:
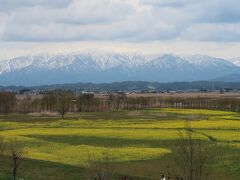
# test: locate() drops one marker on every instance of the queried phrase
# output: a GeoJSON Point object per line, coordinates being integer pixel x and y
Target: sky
{"type": "Point", "coordinates": [148, 26]}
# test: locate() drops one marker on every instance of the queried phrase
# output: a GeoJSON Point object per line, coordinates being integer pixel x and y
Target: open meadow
{"type": "Point", "coordinates": [143, 143]}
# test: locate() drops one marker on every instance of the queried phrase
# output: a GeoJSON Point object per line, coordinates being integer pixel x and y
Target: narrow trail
{"type": "Point", "coordinates": [210, 138]}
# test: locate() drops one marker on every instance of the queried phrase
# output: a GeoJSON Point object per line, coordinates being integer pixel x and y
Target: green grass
{"type": "Point", "coordinates": [143, 143]}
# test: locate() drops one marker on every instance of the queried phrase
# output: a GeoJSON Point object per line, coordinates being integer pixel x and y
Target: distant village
{"type": "Point", "coordinates": [33, 92]}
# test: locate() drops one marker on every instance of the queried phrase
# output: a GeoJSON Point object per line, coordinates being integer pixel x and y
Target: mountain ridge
{"type": "Point", "coordinates": [112, 67]}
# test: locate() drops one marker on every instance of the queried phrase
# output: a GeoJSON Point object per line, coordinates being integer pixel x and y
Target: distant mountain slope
{"type": "Point", "coordinates": [235, 61]}
{"type": "Point", "coordinates": [229, 78]}
{"type": "Point", "coordinates": [130, 86]}
{"type": "Point", "coordinates": [111, 67]}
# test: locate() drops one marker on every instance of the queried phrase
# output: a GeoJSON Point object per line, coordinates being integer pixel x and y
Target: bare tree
{"type": "Point", "coordinates": [16, 153]}
{"type": "Point", "coordinates": [49, 101]}
{"type": "Point", "coordinates": [193, 155]}
{"type": "Point", "coordinates": [63, 102]}
{"type": "Point", "coordinates": [7, 102]}
{"type": "Point", "coordinates": [101, 167]}
{"type": "Point", "coordinates": [87, 102]}
{"type": "Point", "coordinates": [117, 100]}
{"type": "Point", "coordinates": [3, 146]}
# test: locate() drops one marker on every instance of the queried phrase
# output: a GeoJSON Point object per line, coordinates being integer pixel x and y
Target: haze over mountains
{"type": "Point", "coordinates": [114, 67]}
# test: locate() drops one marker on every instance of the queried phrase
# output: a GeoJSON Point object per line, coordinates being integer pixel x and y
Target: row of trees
{"type": "Point", "coordinates": [227, 104]}
{"type": "Point", "coordinates": [7, 102]}
{"type": "Point", "coordinates": [66, 101]}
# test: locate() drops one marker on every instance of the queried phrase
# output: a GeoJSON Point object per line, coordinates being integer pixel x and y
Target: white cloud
{"type": "Point", "coordinates": [119, 21]}
{"type": "Point", "coordinates": [168, 3]}
{"type": "Point", "coordinates": [222, 49]}
{"type": "Point", "coordinates": [78, 12]}
{"type": "Point", "coordinates": [213, 32]}
{"type": "Point", "coordinates": [11, 5]}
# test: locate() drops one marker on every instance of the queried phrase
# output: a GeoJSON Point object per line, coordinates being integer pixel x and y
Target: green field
{"type": "Point", "coordinates": [143, 143]}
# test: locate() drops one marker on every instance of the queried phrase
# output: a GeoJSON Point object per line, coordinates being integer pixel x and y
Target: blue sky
{"type": "Point", "coordinates": [176, 26]}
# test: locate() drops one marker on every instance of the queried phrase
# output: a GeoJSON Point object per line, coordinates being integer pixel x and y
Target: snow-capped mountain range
{"type": "Point", "coordinates": [235, 61]}
{"type": "Point", "coordinates": [112, 67]}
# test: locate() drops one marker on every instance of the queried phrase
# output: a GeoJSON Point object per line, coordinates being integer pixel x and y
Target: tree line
{"type": "Point", "coordinates": [67, 101]}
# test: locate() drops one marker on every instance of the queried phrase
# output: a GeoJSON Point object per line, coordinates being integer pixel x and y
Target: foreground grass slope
{"type": "Point", "coordinates": [143, 143]}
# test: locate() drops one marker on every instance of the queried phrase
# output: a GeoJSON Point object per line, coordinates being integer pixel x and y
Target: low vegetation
{"type": "Point", "coordinates": [143, 144]}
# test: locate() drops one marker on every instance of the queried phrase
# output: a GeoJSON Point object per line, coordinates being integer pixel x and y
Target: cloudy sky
{"type": "Point", "coordinates": [150, 26]}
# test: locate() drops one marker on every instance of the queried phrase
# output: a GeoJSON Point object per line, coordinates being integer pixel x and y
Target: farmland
{"type": "Point", "coordinates": [142, 142]}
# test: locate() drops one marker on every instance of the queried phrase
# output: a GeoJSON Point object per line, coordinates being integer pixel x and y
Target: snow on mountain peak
{"type": "Point", "coordinates": [112, 66]}
{"type": "Point", "coordinates": [106, 60]}
{"type": "Point", "coordinates": [235, 61]}
{"type": "Point", "coordinates": [205, 60]}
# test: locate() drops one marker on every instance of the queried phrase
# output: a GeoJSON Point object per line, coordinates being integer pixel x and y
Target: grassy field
{"type": "Point", "coordinates": [143, 143]}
